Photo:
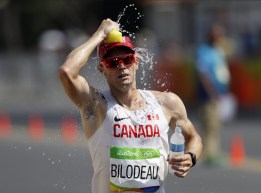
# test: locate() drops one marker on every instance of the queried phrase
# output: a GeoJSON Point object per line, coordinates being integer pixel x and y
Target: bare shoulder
{"type": "Point", "coordinates": [167, 99]}
{"type": "Point", "coordinates": [172, 107]}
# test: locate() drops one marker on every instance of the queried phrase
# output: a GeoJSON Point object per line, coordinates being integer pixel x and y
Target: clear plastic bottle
{"type": "Point", "coordinates": [177, 145]}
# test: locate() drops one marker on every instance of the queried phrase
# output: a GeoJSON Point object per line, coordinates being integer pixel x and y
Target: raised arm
{"type": "Point", "coordinates": [76, 87]}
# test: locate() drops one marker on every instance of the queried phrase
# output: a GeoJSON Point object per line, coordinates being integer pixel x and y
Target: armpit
{"type": "Point", "coordinates": [91, 107]}
{"type": "Point", "coordinates": [90, 111]}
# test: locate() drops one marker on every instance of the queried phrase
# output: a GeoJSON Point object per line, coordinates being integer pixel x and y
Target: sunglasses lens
{"type": "Point", "coordinates": [113, 62]}
{"type": "Point", "coordinates": [128, 60]}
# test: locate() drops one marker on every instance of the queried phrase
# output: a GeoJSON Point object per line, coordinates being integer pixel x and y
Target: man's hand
{"type": "Point", "coordinates": [181, 165]}
{"type": "Point", "coordinates": [107, 26]}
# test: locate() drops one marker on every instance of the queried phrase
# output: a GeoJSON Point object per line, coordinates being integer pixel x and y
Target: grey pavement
{"type": "Point", "coordinates": [54, 166]}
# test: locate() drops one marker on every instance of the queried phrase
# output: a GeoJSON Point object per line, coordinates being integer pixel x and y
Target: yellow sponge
{"type": "Point", "coordinates": [114, 36]}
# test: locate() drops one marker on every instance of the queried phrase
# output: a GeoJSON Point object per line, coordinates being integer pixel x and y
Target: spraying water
{"type": "Point", "coordinates": [123, 13]}
{"type": "Point", "coordinates": [146, 63]}
{"type": "Point", "coordinates": [148, 70]}
{"type": "Point", "coordinates": [144, 55]}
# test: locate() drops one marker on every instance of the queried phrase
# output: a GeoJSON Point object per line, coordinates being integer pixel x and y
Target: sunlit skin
{"type": "Point", "coordinates": [122, 79]}
{"type": "Point", "coordinates": [122, 84]}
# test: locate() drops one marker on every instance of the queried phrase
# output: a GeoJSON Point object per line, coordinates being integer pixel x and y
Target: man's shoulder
{"type": "Point", "coordinates": [165, 97]}
{"type": "Point", "coordinates": [169, 102]}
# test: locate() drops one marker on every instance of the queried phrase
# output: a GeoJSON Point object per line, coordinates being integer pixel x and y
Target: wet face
{"type": "Point", "coordinates": [119, 67]}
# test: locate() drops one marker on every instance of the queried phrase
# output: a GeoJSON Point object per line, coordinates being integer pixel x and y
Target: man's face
{"type": "Point", "coordinates": [119, 67]}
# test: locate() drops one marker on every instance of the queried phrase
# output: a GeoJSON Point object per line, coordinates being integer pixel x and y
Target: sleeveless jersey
{"type": "Point", "coordinates": [130, 148]}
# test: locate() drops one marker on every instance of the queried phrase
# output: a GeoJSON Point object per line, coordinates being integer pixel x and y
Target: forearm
{"type": "Point", "coordinates": [78, 58]}
{"type": "Point", "coordinates": [179, 118]}
{"type": "Point", "coordinates": [194, 145]}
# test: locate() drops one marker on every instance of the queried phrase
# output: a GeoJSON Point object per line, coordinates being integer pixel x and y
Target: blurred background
{"type": "Point", "coordinates": [42, 145]}
{"type": "Point", "coordinates": [36, 36]}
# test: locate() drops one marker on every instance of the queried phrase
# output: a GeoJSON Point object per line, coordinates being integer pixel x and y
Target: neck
{"type": "Point", "coordinates": [131, 99]}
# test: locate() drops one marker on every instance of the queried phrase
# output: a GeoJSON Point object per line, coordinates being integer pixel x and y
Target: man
{"type": "Point", "coordinates": [126, 127]}
{"type": "Point", "coordinates": [213, 76]}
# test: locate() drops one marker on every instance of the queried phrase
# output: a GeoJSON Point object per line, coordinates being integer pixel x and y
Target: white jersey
{"type": "Point", "coordinates": [130, 148]}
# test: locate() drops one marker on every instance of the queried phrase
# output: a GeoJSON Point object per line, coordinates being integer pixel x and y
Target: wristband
{"type": "Point", "coordinates": [193, 158]}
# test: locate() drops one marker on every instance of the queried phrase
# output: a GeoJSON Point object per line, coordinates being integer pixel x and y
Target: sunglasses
{"type": "Point", "coordinates": [114, 62]}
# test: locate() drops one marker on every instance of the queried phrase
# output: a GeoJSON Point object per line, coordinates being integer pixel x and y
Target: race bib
{"type": "Point", "coordinates": [134, 169]}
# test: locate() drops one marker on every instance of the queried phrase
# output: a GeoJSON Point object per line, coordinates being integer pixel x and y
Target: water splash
{"type": "Point", "coordinates": [144, 56]}
{"type": "Point", "coordinates": [147, 65]}
{"type": "Point", "coordinates": [29, 148]}
{"type": "Point", "coordinates": [125, 9]}
{"type": "Point", "coordinates": [123, 13]}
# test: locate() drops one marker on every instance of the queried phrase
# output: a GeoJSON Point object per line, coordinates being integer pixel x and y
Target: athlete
{"type": "Point", "coordinates": [126, 128]}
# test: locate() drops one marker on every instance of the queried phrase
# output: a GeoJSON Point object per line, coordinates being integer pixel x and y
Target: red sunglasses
{"type": "Point", "coordinates": [113, 62]}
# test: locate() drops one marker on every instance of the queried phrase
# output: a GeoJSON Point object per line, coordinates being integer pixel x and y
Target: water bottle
{"type": "Point", "coordinates": [177, 145]}
{"type": "Point", "coordinates": [114, 36]}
